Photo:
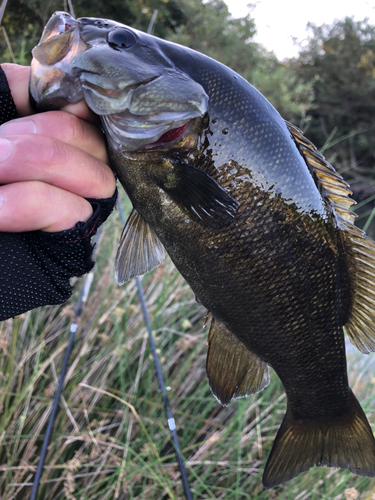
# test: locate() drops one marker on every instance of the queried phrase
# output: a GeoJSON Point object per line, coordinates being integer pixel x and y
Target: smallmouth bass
{"type": "Point", "coordinates": [254, 218]}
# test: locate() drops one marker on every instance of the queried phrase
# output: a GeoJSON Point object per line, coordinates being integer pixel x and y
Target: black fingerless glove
{"type": "Point", "coordinates": [36, 267]}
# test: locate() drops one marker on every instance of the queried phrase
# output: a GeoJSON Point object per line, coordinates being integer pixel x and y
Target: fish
{"type": "Point", "coordinates": [252, 215]}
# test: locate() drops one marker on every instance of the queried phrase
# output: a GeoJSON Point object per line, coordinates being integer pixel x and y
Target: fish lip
{"type": "Point", "coordinates": [137, 135]}
{"type": "Point", "coordinates": [128, 133]}
{"type": "Point", "coordinates": [111, 89]}
{"type": "Point", "coordinates": [51, 73]}
{"type": "Point", "coordinates": [63, 16]}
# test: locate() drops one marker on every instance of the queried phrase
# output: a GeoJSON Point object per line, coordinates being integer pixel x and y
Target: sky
{"type": "Point", "coordinates": [278, 21]}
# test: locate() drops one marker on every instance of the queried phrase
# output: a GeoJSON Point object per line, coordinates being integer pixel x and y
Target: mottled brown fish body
{"type": "Point", "coordinates": [259, 274]}
{"type": "Point", "coordinates": [254, 218]}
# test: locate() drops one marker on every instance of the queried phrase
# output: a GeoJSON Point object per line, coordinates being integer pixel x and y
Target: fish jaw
{"type": "Point", "coordinates": [137, 110]}
{"type": "Point", "coordinates": [52, 82]}
{"type": "Point", "coordinates": [137, 91]}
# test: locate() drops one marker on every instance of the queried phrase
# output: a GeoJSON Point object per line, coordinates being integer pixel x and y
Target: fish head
{"type": "Point", "coordinates": [124, 76]}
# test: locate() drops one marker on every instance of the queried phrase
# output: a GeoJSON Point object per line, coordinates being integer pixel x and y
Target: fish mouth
{"type": "Point", "coordinates": [171, 136]}
{"type": "Point", "coordinates": [51, 76]}
{"type": "Point", "coordinates": [110, 91]}
{"type": "Point", "coordinates": [126, 133]}
{"type": "Point", "coordinates": [109, 95]}
{"type": "Point", "coordinates": [139, 103]}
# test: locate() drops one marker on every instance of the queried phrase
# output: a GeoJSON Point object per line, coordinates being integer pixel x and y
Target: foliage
{"type": "Point", "coordinates": [204, 26]}
{"type": "Point", "coordinates": [330, 86]}
{"type": "Point", "coordinates": [136, 13]}
{"type": "Point", "coordinates": [99, 449]}
{"type": "Point", "coordinates": [339, 62]}
{"type": "Point", "coordinates": [210, 29]}
{"type": "Point", "coordinates": [279, 82]}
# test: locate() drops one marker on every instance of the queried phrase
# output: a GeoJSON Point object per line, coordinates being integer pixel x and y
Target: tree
{"type": "Point", "coordinates": [282, 86]}
{"type": "Point", "coordinates": [209, 28]}
{"type": "Point", "coordinates": [339, 61]}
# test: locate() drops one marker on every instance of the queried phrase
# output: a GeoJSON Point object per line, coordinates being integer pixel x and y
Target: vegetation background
{"type": "Point", "coordinates": [116, 444]}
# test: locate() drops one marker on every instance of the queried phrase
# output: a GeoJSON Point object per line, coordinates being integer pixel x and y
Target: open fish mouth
{"type": "Point", "coordinates": [52, 82]}
{"type": "Point", "coordinates": [128, 133]}
{"type": "Point", "coordinates": [141, 103]}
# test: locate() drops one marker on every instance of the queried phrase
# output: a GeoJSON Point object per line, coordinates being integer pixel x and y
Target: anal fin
{"type": "Point", "coordinates": [233, 370]}
{"type": "Point", "coordinates": [139, 250]}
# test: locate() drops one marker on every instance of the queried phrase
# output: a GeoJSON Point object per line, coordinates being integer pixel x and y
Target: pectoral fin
{"type": "Point", "coordinates": [233, 370]}
{"type": "Point", "coordinates": [201, 196]}
{"type": "Point", "coordinates": [139, 249]}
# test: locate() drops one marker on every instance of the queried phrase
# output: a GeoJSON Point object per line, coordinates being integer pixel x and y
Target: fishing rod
{"type": "Point", "coordinates": [85, 289]}
{"type": "Point", "coordinates": [159, 374]}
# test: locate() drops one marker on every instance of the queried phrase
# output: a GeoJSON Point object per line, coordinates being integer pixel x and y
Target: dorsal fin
{"type": "Point", "coordinates": [360, 326]}
{"type": "Point", "coordinates": [329, 182]}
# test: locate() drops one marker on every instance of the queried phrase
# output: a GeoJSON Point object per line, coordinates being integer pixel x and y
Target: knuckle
{"type": "Point", "coordinates": [76, 129]}
{"type": "Point", "coordinates": [104, 182]}
{"type": "Point", "coordinates": [38, 193]}
{"type": "Point", "coordinates": [52, 152]}
{"type": "Point", "coordinates": [70, 129]}
{"type": "Point", "coordinates": [62, 125]}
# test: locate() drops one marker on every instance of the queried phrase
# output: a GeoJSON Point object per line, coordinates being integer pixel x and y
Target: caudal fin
{"type": "Point", "coordinates": [346, 442]}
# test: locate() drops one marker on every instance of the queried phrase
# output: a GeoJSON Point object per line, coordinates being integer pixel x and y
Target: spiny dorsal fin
{"type": "Point", "coordinates": [360, 326]}
{"type": "Point", "coordinates": [139, 250]}
{"type": "Point", "coordinates": [233, 370]}
{"type": "Point", "coordinates": [329, 182]}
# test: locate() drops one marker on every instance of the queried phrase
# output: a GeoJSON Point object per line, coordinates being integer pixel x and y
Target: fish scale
{"type": "Point", "coordinates": [244, 320]}
{"type": "Point", "coordinates": [252, 215]}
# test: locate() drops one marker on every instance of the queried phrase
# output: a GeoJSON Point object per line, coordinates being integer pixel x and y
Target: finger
{"type": "Point", "coordinates": [63, 126]}
{"type": "Point", "coordinates": [18, 80]}
{"type": "Point", "coordinates": [81, 110]}
{"type": "Point", "coordinates": [31, 206]}
{"type": "Point", "coordinates": [40, 158]}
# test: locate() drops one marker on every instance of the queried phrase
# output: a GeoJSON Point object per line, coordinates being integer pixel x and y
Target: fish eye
{"type": "Point", "coordinates": [121, 38]}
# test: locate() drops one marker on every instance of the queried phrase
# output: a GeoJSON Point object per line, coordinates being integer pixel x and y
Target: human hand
{"type": "Point", "coordinates": [49, 163]}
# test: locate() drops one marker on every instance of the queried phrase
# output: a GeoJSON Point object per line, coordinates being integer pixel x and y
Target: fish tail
{"type": "Point", "coordinates": [346, 442]}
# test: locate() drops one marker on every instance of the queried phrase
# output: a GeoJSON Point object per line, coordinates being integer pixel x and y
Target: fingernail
{"type": "Point", "coordinates": [5, 149]}
{"type": "Point", "coordinates": [18, 127]}
{"type": "Point", "coordinates": [1, 200]}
